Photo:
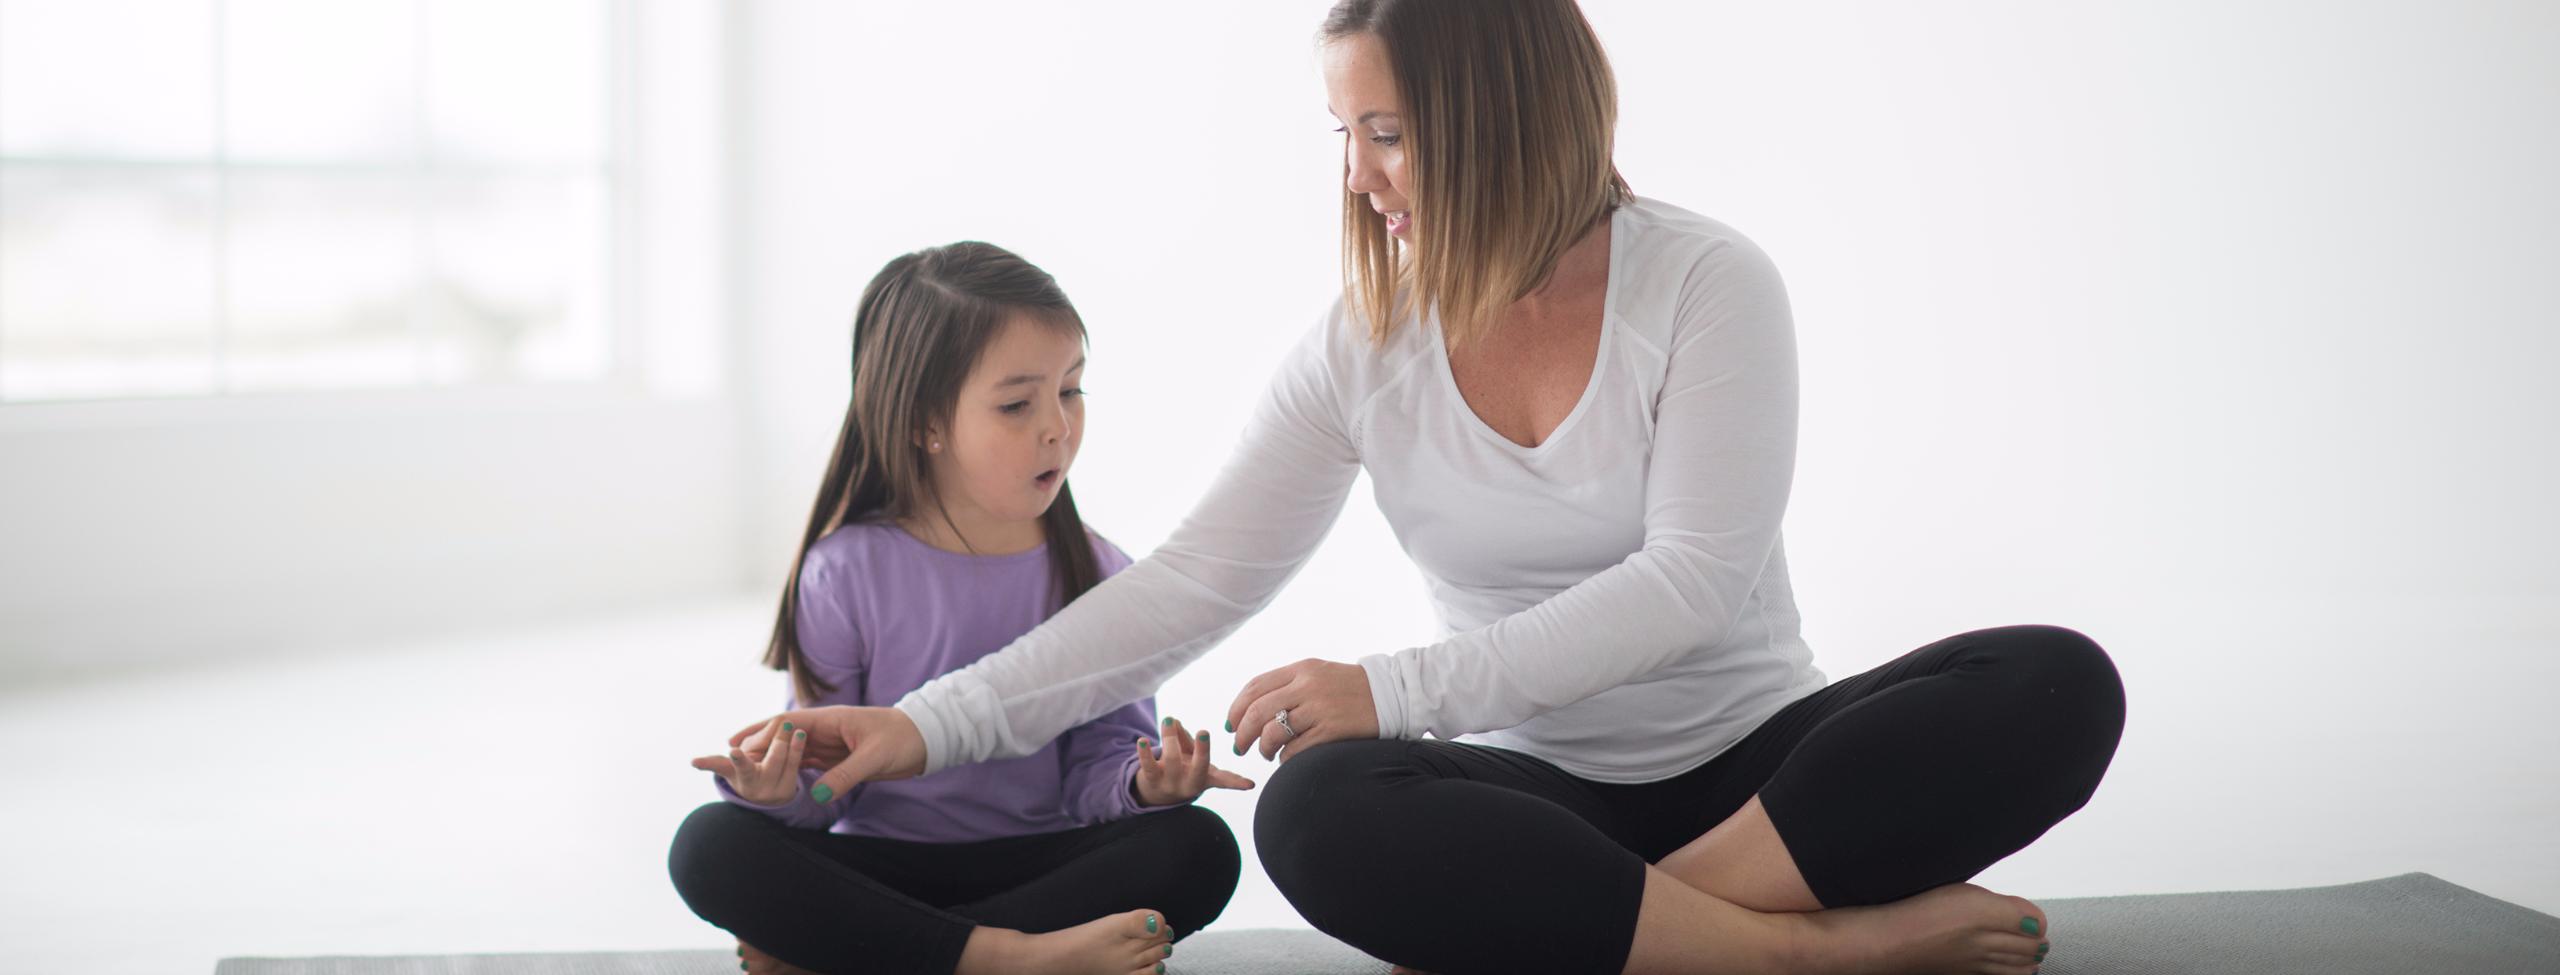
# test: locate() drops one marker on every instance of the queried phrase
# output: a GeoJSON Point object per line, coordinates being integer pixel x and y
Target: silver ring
{"type": "Point", "coordinates": [1283, 718]}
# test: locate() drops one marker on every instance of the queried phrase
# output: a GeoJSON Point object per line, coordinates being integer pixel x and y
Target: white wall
{"type": "Point", "coordinates": [155, 533]}
{"type": "Point", "coordinates": [2216, 330]}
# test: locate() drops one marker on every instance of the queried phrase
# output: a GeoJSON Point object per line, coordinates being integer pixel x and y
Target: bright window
{"type": "Point", "coordinates": [201, 197]}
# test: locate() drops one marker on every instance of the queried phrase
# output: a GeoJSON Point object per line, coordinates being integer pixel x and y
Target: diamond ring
{"type": "Point", "coordinates": [1283, 718]}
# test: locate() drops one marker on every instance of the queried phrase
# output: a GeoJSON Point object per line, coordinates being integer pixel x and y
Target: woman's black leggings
{"type": "Point", "coordinates": [835, 903]}
{"type": "Point", "coordinates": [1460, 858]}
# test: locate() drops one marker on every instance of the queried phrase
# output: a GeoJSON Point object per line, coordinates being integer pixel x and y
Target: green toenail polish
{"type": "Point", "coordinates": [1151, 924]}
{"type": "Point", "coordinates": [1168, 951]}
{"type": "Point", "coordinates": [2029, 925]}
{"type": "Point", "coordinates": [821, 792]}
{"type": "Point", "coordinates": [1159, 968]}
{"type": "Point", "coordinates": [742, 952]}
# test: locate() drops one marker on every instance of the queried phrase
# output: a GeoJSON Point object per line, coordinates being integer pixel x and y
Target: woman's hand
{"type": "Point", "coordinates": [1326, 701]}
{"type": "Point", "coordinates": [855, 745]}
{"type": "Point", "coordinates": [770, 780]}
{"type": "Point", "coordinates": [1183, 773]}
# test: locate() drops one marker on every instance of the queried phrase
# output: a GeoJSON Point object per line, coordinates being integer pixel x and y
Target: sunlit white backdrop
{"type": "Point", "coordinates": [457, 377]}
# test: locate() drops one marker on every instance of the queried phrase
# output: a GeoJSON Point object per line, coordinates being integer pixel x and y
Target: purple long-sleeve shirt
{"type": "Point", "coordinates": [880, 614]}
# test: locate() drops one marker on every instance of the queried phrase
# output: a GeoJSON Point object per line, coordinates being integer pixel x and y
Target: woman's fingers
{"type": "Point", "coordinates": [764, 759]}
{"type": "Point", "coordinates": [1238, 712]}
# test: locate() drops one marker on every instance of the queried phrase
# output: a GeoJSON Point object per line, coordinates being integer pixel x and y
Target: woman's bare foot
{"type": "Point", "coordinates": [755, 962]}
{"type": "Point", "coordinates": [1955, 928]}
{"type": "Point", "coordinates": [1128, 943]}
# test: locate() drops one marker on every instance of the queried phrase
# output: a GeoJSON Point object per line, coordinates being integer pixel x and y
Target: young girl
{"type": "Point", "coordinates": [943, 530]}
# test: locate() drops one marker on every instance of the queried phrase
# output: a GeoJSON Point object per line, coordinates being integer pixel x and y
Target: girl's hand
{"type": "Point", "coordinates": [770, 780]}
{"type": "Point", "coordinates": [855, 745]}
{"type": "Point", "coordinates": [1183, 773]}
{"type": "Point", "coordinates": [1326, 701]}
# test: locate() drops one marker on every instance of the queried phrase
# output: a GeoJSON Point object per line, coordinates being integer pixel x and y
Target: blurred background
{"type": "Point", "coordinates": [408, 408]}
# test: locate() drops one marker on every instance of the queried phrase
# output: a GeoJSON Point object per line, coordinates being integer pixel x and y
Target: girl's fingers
{"type": "Point", "coordinates": [1147, 764]}
{"type": "Point", "coordinates": [720, 765]}
{"type": "Point", "coordinates": [1224, 779]}
{"type": "Point", "coordinates": [764, 759]}
{"type": "Point", "coordinates": [1175, 737]}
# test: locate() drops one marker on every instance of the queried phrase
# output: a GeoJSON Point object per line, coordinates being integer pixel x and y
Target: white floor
{"type": "Point", "coordinates": [516, 792]}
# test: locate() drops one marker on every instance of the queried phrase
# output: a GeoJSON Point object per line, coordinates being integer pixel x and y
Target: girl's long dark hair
{"type": "Point", "coordinates": [921, 324]}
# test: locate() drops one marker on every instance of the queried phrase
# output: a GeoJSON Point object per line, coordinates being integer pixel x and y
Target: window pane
{"type": "Point", "coordinates": [86, 78]}
{"type": "Point", "coordinates": [322, 80]}
{"type": "Point", "coordinates": [516, 80]}
{"type": "Point", "coordinates": [516, 282]}
{"type": "Point", "coordinates": [106, 282]}
{"type": "Point", "coordinates": [323, 272]}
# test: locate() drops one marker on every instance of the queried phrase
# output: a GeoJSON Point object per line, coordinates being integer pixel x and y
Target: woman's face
{"type": "Point", "coordinates": [1360, 91]}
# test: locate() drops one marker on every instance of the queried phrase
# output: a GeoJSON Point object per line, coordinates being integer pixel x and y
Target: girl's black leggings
{"type": "Point", "coordinates": [835, 903]}
{"type": "Point", "coordinates": [1458, 858]}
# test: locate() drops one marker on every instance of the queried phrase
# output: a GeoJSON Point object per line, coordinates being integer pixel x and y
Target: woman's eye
{"type": "Point", "coordinates": [1386, 140]}
{"type": "Point", "coordinates": [1071, 392]}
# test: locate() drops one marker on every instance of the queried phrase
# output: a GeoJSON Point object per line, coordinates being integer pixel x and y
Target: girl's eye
{"type": "Point", "coordinates": [1014, 407]}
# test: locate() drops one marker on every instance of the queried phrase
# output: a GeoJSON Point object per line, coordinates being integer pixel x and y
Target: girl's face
{"type": "Point", "coordinates": [1360, 91]}
{"type": "Point", "coordinates": [1014, 432]}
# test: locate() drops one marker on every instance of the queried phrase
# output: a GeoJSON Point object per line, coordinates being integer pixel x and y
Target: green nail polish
{"type": "Point", "coordinates": [800, 735]}
{"type": "Point", "coordinates": [2029, 925]}
{"type": "Point", "coordinates": [821, 793]}
{"type": "Point", "coordinates": [1167, 719]}
{"type": "Point", "coordinates": [1151, 924]}
{"type": "Point", "coordinates": [1204, 736]}
{"type": "Point", "coordinates": [742, 952]}
{"type": "Point", "coordinates": [1231, 726]}
{"type": "Point", "coordinates": [1168, 951]}
{"type": "Point", "coordinates": [786, 726]}
{"type": "Point", "coordinates": [1159, 968]}
{"type": "Point", "coordinates": [742, 966]}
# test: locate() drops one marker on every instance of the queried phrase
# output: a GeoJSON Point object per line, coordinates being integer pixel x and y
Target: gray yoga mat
{"type": "Point", "coordinates": [2412, 924]}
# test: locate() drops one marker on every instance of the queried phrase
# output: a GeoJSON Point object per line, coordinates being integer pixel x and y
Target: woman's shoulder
{"type": "Point", "coordinates": [1662, 236]}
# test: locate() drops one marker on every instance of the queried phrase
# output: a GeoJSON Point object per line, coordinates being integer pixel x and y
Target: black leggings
{"type": "Point", "coordinates": [1460, 858]}
{"type": "Point", "coordinates": [835, 903]}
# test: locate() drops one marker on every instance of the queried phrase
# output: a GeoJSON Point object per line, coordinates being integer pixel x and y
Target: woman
{"type": "Point", "coordinates": [1577, 410]}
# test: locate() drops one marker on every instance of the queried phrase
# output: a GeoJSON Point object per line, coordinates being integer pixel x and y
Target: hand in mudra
{"type": "Point", "coordinates": [1325, 701]}
{"type": "Point", "coordinates": [854, 745]}
{"type": "Point", "coordinates": [1181, 771]}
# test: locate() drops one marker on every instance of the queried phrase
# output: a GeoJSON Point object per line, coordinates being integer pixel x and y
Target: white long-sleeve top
{"type": "Point", "coordinates": [1613, 600]}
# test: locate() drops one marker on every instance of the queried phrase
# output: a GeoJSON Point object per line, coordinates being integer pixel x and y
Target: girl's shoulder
{"type": "Point", "coordinates": [853, 547]}
{"type": "Point", "coordinates": [1107, 556]}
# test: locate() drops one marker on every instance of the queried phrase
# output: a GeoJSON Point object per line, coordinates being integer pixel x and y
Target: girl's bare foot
{"type": "Point", "coordinates": [758, 963]}
{"type": "Point", "coordinates": [1950, 929]}
{"type": "Point", "coordinates": [1128, 943]}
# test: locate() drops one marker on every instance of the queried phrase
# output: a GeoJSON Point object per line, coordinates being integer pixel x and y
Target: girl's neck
{"type": "Point", "coordinates": [973, 536]}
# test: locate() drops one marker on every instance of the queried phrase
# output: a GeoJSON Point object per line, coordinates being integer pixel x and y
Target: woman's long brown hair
{"type": "Point", "coordinates": [920, 326]}
{"type": "Point", "coordinates": [1511, 117]}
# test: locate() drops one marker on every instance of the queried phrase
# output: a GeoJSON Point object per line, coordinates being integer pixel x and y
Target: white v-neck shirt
{"type": "Point", "coordinates": [1613, 600]}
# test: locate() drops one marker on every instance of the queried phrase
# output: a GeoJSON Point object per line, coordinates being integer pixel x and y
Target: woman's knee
{"type": "Point", "coordinates": [2061, 662]}
{"type": "Point", "coordinates": [1318, 810]}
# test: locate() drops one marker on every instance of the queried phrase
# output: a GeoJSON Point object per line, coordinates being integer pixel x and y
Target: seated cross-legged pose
{"type": "Point", "coordinates": [1577, 408]}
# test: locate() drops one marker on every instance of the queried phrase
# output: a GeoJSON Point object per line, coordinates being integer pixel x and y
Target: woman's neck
{"type": "Point", "coordinates": [1580, 270]}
